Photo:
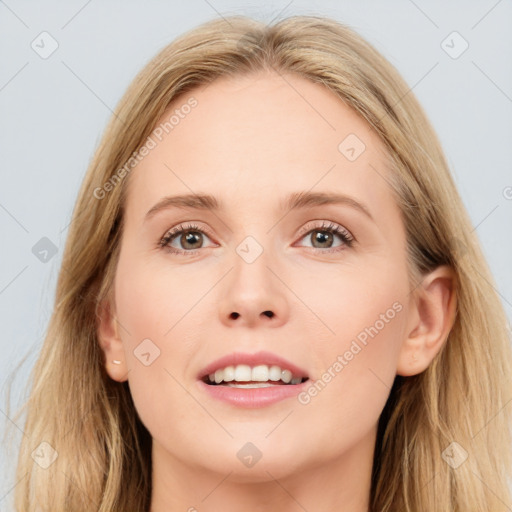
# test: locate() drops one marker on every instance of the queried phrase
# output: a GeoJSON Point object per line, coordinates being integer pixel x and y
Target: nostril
{"type": "Point", "coordinates": [234, 315]}
{"type": "Point", "coordinates": [270, 314]}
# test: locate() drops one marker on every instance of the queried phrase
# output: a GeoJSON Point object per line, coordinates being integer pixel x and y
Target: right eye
{"type": "Point", "coordinates": [185, 235]}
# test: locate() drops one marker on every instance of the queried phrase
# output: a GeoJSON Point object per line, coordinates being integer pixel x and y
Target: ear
{"type": "Point", "coordinates": [110, 341]}
{"type": "Point", "coordinates": [431, 317]}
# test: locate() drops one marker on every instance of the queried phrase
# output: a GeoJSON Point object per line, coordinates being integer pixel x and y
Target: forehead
{"type": "Point", "coordinates": [260, 137]}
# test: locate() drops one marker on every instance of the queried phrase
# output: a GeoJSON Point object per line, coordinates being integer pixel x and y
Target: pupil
{"type": "Point", "coordinates": [190, 238]}
{"type": "Point", "coordinates": [323, 237]}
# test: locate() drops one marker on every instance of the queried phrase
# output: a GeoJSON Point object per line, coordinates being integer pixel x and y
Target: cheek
{"type": "Point", "coordinates": [158, 312]}
{"type": "Point", "coordinates": [356, 362]}
{"type": "Point", "coordinates": [147, 309]}
{"type": "Point", "coordinates": [355, 304]}
{"type": "Point", "coordinates": [151, 301]}
{"type": "Point", "coordinates": [370, 322]}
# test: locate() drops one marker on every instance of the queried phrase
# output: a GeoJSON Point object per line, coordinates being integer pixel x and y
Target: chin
{"type": "Point", "coordinates": [253, 462]}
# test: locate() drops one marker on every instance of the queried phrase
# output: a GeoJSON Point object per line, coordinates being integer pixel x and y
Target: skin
{"type": "Point", "coordinates": [250, 142]}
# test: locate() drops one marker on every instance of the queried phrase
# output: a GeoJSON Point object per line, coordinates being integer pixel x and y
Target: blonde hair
{"type": "Point", "coordinates": [104, 451]}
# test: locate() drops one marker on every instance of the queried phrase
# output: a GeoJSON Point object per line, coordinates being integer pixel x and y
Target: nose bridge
{"type": "Point", "coordinates": [252, 293]}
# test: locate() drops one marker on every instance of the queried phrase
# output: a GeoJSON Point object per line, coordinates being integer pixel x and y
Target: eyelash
{"type": "Point", "coordinates": [179, 230]}
{"type": "Point", "coordinates": [335, 229]}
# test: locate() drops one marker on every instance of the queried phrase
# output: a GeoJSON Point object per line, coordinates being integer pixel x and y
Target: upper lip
{"type": "Point", "coordinates": [257, 358]}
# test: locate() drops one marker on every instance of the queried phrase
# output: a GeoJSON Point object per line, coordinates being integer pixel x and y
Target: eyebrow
{"type": "Point", "coordinates": [295, 201]}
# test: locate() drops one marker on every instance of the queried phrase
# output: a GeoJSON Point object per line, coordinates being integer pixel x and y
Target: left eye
{"type": "Point", "coordinates": [326, 233]}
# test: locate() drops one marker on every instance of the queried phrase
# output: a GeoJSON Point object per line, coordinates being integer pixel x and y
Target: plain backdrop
{"type": "Point", "coordinates": [53, 110]}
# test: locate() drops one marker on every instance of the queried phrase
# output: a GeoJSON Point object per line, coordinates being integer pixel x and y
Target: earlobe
{"type": "Point", "coordinates": [110, 342]}
{"type": "Point", "coordinates": [432, 314]}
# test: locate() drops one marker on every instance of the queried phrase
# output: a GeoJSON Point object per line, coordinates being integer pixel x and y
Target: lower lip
{"type": "Point", "coordinates": [253, 397]}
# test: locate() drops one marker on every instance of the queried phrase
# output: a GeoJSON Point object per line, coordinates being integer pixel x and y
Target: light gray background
{"type": "Point", "coordinates": [53, 112]}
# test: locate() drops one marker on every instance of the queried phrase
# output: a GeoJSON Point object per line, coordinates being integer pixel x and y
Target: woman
{"type": "Point", "coordinates": [329, 340]}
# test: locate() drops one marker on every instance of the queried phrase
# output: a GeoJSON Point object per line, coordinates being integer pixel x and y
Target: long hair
{"type": "Point", "coordinates": [454, 410]}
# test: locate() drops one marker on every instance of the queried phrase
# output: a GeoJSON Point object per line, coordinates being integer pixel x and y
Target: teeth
{"type": "Point", "coordinates": [242, 373]}
{"type": "Point", "coordinates": [274, 373]}
{"type": "Point", "coordinates": [229, 374]}
{"type": "Point", "coordinates": [260, 373]}
{"type": "Point", "coordinates": [286, 376]}
{"type": "Point", "coordinates": [251, 385]}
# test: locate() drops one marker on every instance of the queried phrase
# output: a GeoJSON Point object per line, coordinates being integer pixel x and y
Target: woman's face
{"type": "Point", "coordinates": [255, 274]}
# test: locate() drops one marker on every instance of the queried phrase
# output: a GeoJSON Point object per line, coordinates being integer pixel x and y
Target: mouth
{"type": "Point", "coordinates": [244, 376]}
{"type": "Point", "coordinates": [252, 380]}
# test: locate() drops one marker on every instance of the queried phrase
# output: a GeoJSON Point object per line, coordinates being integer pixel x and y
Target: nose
{"type": "Point", "coordinates": [253, 295]}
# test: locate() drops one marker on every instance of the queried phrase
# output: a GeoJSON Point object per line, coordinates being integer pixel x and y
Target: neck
{"type": "Point", "coordinates": [335, 484]}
